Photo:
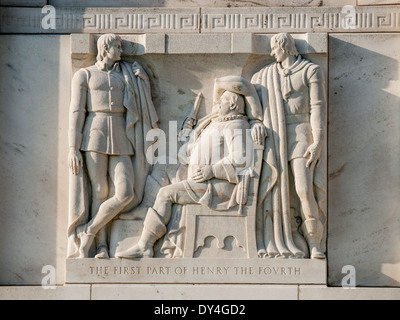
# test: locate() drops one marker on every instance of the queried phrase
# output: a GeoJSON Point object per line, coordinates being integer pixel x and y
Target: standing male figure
{"type": "Point", "coordinates": [292, 93]}
{"type": "Point", "coordinates": [110, 112]}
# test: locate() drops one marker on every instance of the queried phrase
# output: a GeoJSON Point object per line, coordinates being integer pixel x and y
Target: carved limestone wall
{"type": "Point", "coordinates": [183, 50]}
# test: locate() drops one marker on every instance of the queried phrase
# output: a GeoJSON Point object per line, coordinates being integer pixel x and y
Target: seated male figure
{"type": "Point", "coordinates": [216, 160]}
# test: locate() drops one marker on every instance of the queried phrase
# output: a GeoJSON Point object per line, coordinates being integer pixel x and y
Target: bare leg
{"type": "Point", "coordinates": [312, 227]}
{"type": "Point", "coordinates": [121, 172]}
{"type": "Point", "coordinates": [123, 179]}
{"type": "Point", "coordinates": [97, 165]}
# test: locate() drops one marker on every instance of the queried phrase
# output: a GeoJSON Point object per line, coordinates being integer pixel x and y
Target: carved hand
{"type": "Point", "coordinates": [314, 153]}
{"type": "Point", "coordinates": [189, 123]}
{"type": "Point", "coordinates": [259, 133]}
{"type": "Point", "coordinates": [186, 129]}
{"type": "Point", "coordinates": [75, 161]}
{"type": "Point", "coordinates": [203, 174]}
{"type": "Point", "coordinates": [139, 71]}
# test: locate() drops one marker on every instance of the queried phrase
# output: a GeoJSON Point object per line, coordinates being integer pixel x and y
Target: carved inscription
{"type": "Point", "coordinates": [159, 270]}
{"type": "Point", "coordinates": [196, 270]}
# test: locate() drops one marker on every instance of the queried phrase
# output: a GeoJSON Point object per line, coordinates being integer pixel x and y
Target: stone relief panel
{"type": "Point", "coordinates": [215, 182]}
{"type": "Point", "coordinates": [248, 178]}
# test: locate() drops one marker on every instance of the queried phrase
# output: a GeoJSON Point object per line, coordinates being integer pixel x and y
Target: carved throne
{"type": "Point", "coordinates": [225, 234]}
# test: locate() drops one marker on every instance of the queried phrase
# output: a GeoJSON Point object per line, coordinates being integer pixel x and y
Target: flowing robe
{"type": "Point", "coordinates": [294, 107]}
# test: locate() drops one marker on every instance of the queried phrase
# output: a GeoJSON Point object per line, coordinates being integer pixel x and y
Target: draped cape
{"type": "Point", "coordinates": [276, 230]}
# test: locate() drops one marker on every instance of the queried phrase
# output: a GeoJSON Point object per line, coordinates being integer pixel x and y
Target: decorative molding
{"type": "Point", "coordinates": [158, 20]}
{"type": "Point", "coordinates": [196, 3]}
{"type": "Point", "coordinates": [376, 2]}
{"type": "Point", "coordinates": [204, 20]}
{"type": "Point", "coordinates": [207, 43]}
{"type": "Point", "coordinates": [24, 3]}
{"type": "Point", "coordinates": [273, 20]}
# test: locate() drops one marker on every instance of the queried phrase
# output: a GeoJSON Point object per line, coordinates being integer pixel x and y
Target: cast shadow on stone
{"type": "Point", "coordinates": [363, 165]}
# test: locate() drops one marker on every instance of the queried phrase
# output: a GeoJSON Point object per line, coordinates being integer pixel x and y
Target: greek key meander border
{"type": "Point", "coordinates": [299, 22]}
{"type": "Point", "coordinates": [207, 20]}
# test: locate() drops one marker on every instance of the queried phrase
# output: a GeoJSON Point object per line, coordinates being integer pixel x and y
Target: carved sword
{"type": "Point", "coordinates": [192, 117]}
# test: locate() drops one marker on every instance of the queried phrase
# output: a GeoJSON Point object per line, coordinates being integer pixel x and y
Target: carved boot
{"type": "Point", "coordinates": [101, 245]}
{"type": "Point", "coordinates": [102, 253]}
{"type": "Point", "coordinates": [86, 240]}
{"type": "Point", "coordinates": [143, 249]}
{"type": "Point", "coordinates": [313, 229]}
{"type": "Point", "coordinates": [298, 238]}
{"type": "Point", "coordinates": [153, 230]}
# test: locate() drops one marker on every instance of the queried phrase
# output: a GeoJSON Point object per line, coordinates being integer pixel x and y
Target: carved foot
{"type": "Point", "coordinates": [102, 253]}
{"type": "Point", "coordinates": [316, 253]}
{"type": "Point", "coordinates": [299, 255]}
{"type": "Point", "coordinates": [86, 240]}
{"type": "Point", "coordinates": [262, 253]}
{"type": "Point", "coordinates": [267, 255]}
{"type": "Point", "coordinates": [272, 255]}
{"type": "Point", "coordinates": [137, 251]}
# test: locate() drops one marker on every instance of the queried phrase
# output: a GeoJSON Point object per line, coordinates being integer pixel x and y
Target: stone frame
{"type": "Point", "coordinates": [184, 270]}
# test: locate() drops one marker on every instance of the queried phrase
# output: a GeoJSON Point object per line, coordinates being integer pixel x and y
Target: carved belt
{"type": "Point", "coordinates": [104, 113]}
{"type": "Point", "coordinates": [297, 118]}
